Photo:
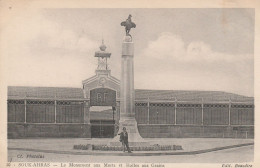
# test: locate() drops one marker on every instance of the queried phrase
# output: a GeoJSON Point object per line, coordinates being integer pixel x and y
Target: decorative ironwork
{"type": "Point", "coordinates": [102, 64]}
{"type": "Point", "coordinates": [37, 102]}
{"type": "Point", "coordinates": [102, 57]}
{"type": "Point", "coordinates": [216, 105]}
{"type": "Point", "coordinates": [64, 102]}
{"type": "Point", "coordinates": [140, 104]}
{"type": "Point", "coordinates": [15, 101]}
{"type": "Point", "coordinates": [162, 104]}
{"type": "Point", "coordinates": [242, 106]}
{"type": "Point", "coordinates": [189, 105]}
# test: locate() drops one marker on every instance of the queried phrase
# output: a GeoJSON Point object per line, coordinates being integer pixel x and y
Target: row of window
{"type": "Point", "coordinates": [45, 113]}
{"type": "Point", "coordinates": [210, 116]}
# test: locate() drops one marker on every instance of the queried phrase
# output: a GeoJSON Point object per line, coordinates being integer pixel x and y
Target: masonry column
{"type": "Point", "coordinates": [86, 113]}
{"type": "Point", "coordinates": [86, 120]}
{"type": "Point", "coordinates": [127, 92]}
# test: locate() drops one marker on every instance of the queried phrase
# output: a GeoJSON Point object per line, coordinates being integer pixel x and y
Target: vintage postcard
{"type": "Point", "coordinates": [129, 84]}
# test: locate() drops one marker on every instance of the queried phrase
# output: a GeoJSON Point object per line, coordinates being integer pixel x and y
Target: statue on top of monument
{"type": "Point", "coordinates": [128, 25]}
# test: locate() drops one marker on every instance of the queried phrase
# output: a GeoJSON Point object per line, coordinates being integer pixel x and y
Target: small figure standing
{"type": "Point", "coordinates": [124, 140]}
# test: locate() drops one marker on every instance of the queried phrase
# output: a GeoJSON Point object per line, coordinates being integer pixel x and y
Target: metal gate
{"type": "Point", "coordinates": [102, 129]}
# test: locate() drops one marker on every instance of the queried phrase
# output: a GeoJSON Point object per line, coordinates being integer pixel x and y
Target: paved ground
{"type": "Point", "coordinates": [235, 155]}
{"type": "Point", "coordinates": [241, 154]}
{"type": "Point", "coordinates": [188, 144]}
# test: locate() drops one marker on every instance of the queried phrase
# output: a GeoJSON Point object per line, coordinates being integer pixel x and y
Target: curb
{"type": "Point", "coordinates": [133, 154]}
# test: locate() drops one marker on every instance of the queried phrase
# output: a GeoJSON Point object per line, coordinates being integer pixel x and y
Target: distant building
{"type": "Point", "coordinates": [93, 110]}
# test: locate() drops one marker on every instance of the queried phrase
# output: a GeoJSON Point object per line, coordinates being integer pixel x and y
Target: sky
{"type": "Point", "coordinates": [175, 49]}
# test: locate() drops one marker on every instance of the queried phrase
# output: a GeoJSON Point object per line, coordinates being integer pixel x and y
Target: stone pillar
{"type": "Point", "coordinates": [55, 111]}
{"type": "Point", "coordinates": [86, 116]}
{"type": "Point", "coordinates": [148, 111]}
{"type": "Point", "coordinates": [175, 111]}
{"type": "Point", "coordinates": [229, 111]}
{"type": "Point", "coordinates": [25, 110]}
{"type": "Point", "coordinates": [127, 93]}
{"type": "Point", "coordinates": [202, 111]}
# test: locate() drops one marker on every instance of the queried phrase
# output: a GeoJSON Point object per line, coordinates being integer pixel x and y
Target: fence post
{"type": "Point", "coordinates": [25, 110]}
{"type": "Point", "coordinates": [229, 111]}
{"type": "Point", "coordinates": [175, 111]}
{"type": "Point", "coordinates": [202, 111]}
{"type": "Point", "coordinates": [148, 111]}
{"type": "Point", "coordinates": [55, 111]}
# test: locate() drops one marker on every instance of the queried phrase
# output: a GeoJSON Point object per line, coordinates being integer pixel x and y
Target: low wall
{"type": "Point", "coordinates": [16, 130]}
{"type": "Point", "coordinates": [192, 131]}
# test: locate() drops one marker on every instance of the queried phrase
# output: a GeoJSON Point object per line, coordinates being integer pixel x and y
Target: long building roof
{"type": "Point", "coordinates": [140, 94]}
{"type": "Point", "coordinates": [189, 95]}
{"type": "Point", "coordinates": [45, 92]}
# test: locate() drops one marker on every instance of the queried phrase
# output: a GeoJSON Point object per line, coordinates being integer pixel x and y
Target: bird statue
{"type": "Point", "coordinates": [128, 25]}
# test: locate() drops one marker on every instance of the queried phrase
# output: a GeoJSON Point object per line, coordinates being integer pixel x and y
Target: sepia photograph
{"type": "Point", "coordinates": [129, 85]}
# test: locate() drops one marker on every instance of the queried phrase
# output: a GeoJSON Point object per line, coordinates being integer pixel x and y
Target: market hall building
{"type": "Point", "coordinates": [93, 111]}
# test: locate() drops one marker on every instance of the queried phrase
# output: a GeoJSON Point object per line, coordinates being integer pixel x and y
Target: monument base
{"type": "Point", "coordinates": [134, 137]}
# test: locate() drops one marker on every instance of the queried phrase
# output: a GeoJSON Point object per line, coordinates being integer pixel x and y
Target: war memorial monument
{"type": "Point", "coordinates": [127, 103]}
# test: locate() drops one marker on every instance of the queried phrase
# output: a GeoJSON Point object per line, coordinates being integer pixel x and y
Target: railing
{"type": "Point", "coordinates": [151, 111]}
{"type": "Point", "coordinates": [194, 112]}
{"type": "Point", "coordinates": [25, 108]}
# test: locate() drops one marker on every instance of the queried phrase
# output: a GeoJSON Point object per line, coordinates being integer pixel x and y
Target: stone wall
{"type": "Point", "coordinates": [17, 130]}
{"type": "Point", "coordinates": [193, 131]}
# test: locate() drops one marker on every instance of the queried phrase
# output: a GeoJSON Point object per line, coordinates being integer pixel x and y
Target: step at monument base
{"type": "Point", "coordinates": [135, 144]}
{"type": "Point", "coordinates": [142, 147]}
